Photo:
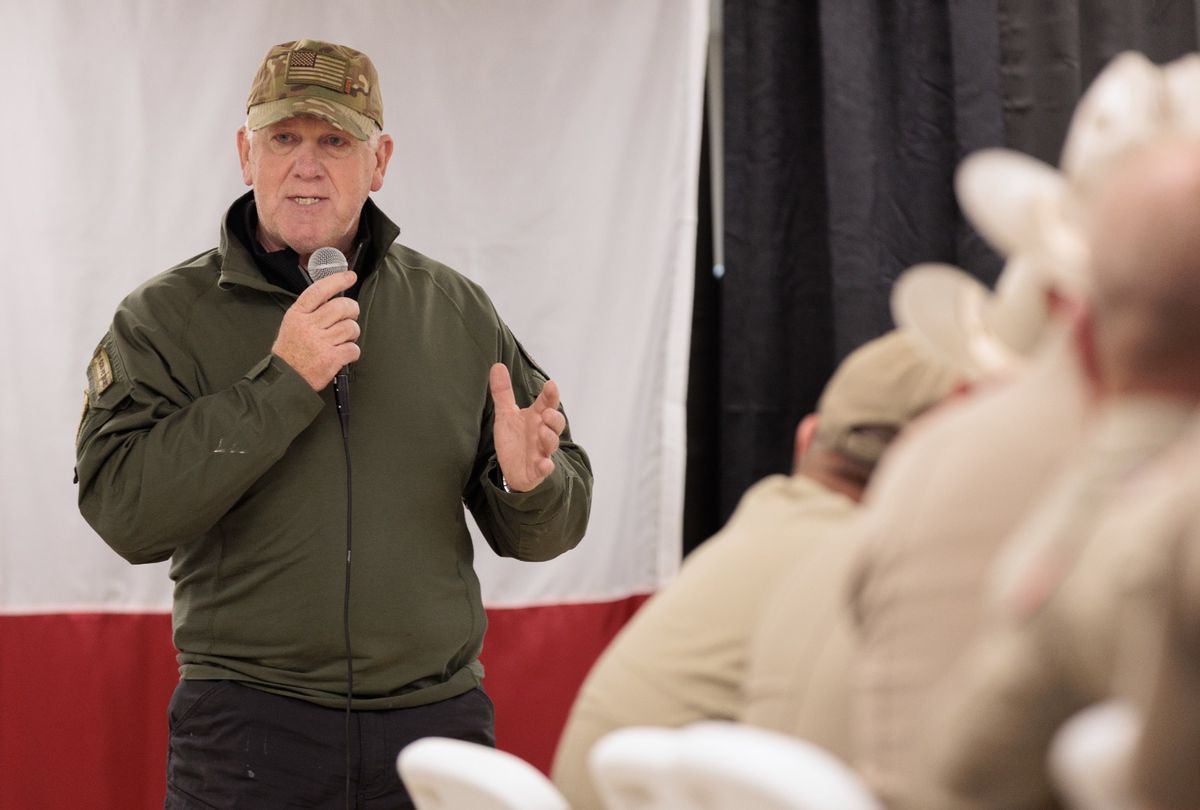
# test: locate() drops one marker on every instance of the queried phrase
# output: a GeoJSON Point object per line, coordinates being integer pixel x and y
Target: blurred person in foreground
{"type": "Point", "coordinates": [1164, 765]}
{"type": "Point", "coordinates": [940, 513]}
{"type": "Point", "coordinates": [683, 656]}
{"type": "Point", "coordinates": [1077, 615]}
{"type": "Point", "coordinates": [211, 437]}
{"type": "Point", "coordinates": [938, 509]}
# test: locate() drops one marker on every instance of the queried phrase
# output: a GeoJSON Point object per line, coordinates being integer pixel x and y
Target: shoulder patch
{"type": "Point", "coordinates": [99, 372]}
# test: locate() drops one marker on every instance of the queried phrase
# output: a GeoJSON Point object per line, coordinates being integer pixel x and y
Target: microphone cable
{"type": "Point", "coordinates": [341, 392]}
{"type": "Point", "coordinates": [323, 262]}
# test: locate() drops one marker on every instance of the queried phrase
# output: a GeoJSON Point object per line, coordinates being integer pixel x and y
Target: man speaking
{"type": "Point", "coordinates": [326, 611]}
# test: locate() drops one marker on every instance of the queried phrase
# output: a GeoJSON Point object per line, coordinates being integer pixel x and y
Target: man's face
{"type": "Point", "coordinates": [310, 181]}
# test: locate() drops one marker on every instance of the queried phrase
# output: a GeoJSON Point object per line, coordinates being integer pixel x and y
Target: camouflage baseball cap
{"type": "Point", "coordinates": [309, 77]}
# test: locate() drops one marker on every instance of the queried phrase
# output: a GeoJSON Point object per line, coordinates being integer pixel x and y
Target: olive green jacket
{"type": "Point", "coordinates": [199, 445]}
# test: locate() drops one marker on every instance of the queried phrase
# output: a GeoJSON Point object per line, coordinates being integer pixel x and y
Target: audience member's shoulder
{"type": "Point", "coordinates": [1162, 496]}
{"type": "Point", "coordinates": [767, 496]}
{"type": "Point", "coordinates": [1162, 493]}
{"type": "Point", "coordinates": [1127, 551]}
{"type": "Point", "coordinates": [789, 493]}
{"type": "Point", "coordinates": [1181, 462]}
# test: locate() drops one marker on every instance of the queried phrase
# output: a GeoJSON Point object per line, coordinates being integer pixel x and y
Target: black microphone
{"type": "Point", "coordinates": [324, 262]}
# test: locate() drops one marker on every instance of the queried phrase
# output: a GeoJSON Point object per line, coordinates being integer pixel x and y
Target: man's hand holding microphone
{"type": "Point", "coordinates": [318, 333]}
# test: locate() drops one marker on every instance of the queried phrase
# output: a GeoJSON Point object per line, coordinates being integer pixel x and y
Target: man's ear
{"type": "Point", "coordinates": [243, 147]}
{"type": "Point", "coordinates": [383, 154]}
{"type": "Point", "coordinates": [804, 437]}
{"type": "Point", "coordinates": [1083, 334]}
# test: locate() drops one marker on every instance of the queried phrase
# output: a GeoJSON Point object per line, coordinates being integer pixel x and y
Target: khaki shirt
{"type": "Point", "coordinates": [1164, 768]}
{"type": "Point", "coordinates": [933, 519]}
{"type": "Point", "coordinates": [802, 650]}
{"type": "Point", "coordinates": [1048, 646]}
{"type": "Point", "coordinates": [683, 657]}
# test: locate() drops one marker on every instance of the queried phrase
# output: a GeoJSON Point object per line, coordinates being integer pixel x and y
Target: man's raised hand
{"type": "Point", "coordinates": [525, 438]}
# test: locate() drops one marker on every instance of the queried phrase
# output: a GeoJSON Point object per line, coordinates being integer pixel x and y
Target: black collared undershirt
{"type": "Point", "coordinates": [282, 267]}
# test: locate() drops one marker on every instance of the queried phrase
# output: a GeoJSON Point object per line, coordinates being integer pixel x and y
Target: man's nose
{"type": "Point", "coordinates": [308, 163]}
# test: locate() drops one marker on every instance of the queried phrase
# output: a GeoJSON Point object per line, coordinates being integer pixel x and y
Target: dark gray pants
{"type": "Point", "coordinates": [232, 746]}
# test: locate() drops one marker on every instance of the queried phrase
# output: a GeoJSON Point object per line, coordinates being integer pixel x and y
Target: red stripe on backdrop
{"type": "Point", "coordinates": [534, 661]}
{"type": "Point", "coordinates": [83, 697]}
{"type": "Point", "coordinates": [83, 708]}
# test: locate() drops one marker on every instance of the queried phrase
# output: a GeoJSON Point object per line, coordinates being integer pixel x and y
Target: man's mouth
{"type": "Point", "coordinates": [306, 200]}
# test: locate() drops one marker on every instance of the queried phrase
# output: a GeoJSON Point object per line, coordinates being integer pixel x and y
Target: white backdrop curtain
{"type": "Point", "coordinates": [548, 150]}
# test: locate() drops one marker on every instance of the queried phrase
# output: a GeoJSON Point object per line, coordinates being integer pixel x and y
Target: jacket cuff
{"type": "Point", "coordinates": [545, 495]}
{"type": "Point", "coordinates": [286, 386]}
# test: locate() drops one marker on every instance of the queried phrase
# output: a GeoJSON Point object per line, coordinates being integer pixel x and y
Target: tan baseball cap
{"type": "Point", "coordinates": [883, 384]}
{"type": "Point", "coordinates": [1126, 105]}
{"type": "Point", "coordinates": [1024, 207]}
{"type": "Point", "coordinates": [310, 77]}
{"type": "Point", "coordinates": [961, 323]}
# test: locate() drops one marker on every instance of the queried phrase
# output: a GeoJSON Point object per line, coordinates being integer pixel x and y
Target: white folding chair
{"type": "Point", "coordinates": [730, 765]}
{"type": "Point", "coordinates": [634, 769]}
{"type": "Point", "coordinates": [721, 766]}
{"type": "Point", "coordinates": [1090, 755]}
{"type": "Point", "coordinates": [446, 774]}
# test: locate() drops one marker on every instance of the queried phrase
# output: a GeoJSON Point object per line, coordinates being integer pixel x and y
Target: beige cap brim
{"type": "Point", "coordinates": [1182, 78]}
{"type": "Point", "coordinates": [946, 311]}
{"type": "Point", "coordinates": [998, 189]}
{"type": "Point", "coordinates": [1125, 105]}
{"type": "Point", "coordinates": [270, 112]}
{"type": "Point", "coordinates": [1022, 206]}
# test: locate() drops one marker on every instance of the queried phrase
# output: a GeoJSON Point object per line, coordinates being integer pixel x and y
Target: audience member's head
{"type": "Point", "coordinates": [1142, 333]}
{"type": "Point", "coordinates": [877, 390]}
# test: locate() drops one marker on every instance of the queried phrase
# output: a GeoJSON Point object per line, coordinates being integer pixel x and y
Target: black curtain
{"type": "Point", "coordinates": [1050, 52]}
{"type": "Point", "coordinates": [844, 121]}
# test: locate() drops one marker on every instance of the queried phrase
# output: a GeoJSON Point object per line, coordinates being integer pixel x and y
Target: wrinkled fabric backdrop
{"type": "Point", "coordinates": [844, 121]}
{"type": "Point", "coordinates": [553, 152]}
{"type": "Point", "coordinates": [547, 150]}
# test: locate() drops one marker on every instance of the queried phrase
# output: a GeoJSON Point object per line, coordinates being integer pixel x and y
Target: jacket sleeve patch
{"type": "Point", "coordinates": [99, 372]}
{"type": "Point", "coordinates": [108, 382]}
{"type": "Point", "coordinates": [107, 387]}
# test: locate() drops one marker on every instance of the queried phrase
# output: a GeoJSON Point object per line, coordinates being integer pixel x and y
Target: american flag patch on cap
{"type": "Point", "coordinates": [310, 67]}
